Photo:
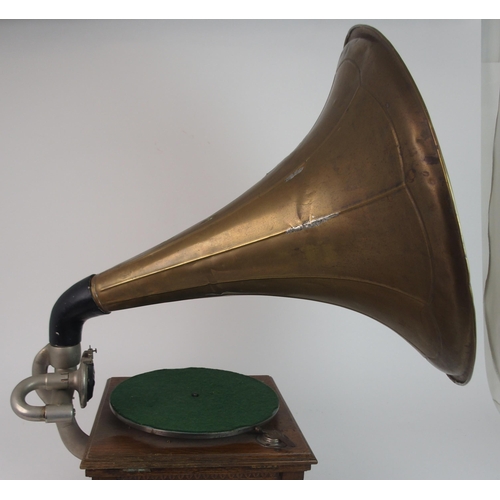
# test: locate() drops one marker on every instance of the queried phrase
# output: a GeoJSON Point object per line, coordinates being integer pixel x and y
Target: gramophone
{"type": "Point", "coordinates": [359, 215]}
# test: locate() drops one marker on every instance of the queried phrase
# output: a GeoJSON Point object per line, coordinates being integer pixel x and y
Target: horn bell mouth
{"type": "Point", "coordinates": [450, 302]}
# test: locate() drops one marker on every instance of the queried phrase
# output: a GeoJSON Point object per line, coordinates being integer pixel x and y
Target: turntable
{"type": "Point", "coordinates": [210, 445]}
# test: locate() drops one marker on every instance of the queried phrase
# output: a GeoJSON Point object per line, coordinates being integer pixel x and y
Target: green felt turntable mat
{"type": "Point", "coordinates": [194, 402]}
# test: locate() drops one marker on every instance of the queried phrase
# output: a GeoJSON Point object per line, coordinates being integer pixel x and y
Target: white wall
{"type": "Point", "coordinates": [490, 85]}
{"type": "Point", "coordinates": [115, 136]}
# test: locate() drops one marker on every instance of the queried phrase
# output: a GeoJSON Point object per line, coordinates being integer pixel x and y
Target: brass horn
{"type": "Point", "coordinates": [360, 215]}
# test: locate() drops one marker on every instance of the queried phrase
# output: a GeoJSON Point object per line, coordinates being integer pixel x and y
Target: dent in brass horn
{"type": "Point", "coordinates": [360, 215]}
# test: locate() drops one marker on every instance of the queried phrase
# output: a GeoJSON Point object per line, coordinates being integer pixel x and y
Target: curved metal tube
{"type": "Point", "coordinates": [48, 413]}
{"type": "Point", "coordinates": [40, 366]}
{"type": "Point", "coordinates": [73, 437]}
{"type": "Point", "coordinates": [70, 432]}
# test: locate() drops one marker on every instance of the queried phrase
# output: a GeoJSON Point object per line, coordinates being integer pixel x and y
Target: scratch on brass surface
{"type": "Point", "coordinates": [292, 175]}
{"type": "Point", "coordinates": [306, 225]}
{"type": "Point", "coordinates": [312, 223]}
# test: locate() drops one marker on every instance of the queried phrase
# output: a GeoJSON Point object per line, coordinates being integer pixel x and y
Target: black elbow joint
{"type": "Point", "coordinates": [75, 306]}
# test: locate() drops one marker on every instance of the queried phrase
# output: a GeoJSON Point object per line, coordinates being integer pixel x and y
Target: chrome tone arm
{"type": "Point", "coordinates": [50, 413]}
{"type": "Point", "coordinates": [56, 391]}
